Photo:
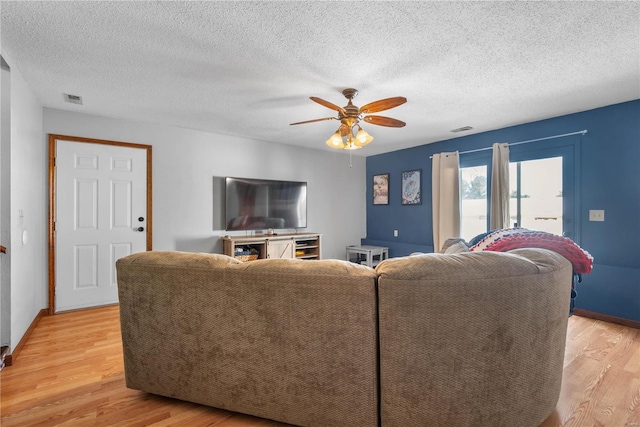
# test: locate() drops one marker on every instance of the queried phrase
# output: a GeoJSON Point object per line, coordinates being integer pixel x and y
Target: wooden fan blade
{"type": "Point", "coordinates": [384, 121]}
{"type": "Point", "coordinates": [314, 120]}
{"type": "Point", "coordinates": [383, 104]}
{"type": "Point", "coordinates": [327, 104]}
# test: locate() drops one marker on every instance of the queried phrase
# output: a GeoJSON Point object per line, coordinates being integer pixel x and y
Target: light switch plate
{"type": "Point", "coordinates": [596, 215]}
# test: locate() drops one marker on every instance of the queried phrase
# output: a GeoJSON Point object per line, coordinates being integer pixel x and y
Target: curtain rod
{"type": "Point", "coordinates": [582, 132]}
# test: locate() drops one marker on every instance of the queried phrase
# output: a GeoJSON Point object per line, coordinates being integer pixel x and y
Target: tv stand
{"type": "Point", "coordinates": [273, 246]}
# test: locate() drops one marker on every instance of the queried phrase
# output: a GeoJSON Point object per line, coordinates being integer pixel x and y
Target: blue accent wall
{"type": "Point", "coordinates": [607, 163]}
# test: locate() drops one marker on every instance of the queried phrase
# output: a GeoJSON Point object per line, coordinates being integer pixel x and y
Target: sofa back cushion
{"type": "Point", "coordinates": [290, 340]}
{"type": "Point", "coordinates": [469, 265]}
{"type": "Point", "coordinates": [472, 339]}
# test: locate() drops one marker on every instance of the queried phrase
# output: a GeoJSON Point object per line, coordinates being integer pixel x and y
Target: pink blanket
{"type": "Point", "coordinates": [512, 238]}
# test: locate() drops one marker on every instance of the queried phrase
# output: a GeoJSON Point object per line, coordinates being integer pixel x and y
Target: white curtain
{"type": "Point", "coordinates": [499, 217]}
{"type": "Point", "coordinates": [445, 197]}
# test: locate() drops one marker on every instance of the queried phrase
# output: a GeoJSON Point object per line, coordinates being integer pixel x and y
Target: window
{"type": "Point", "coordinates": [542, 189]}
{"type": "Point", "coordinates": [536, 200]}
{"type": "Point", "coordinates": [473, 203]}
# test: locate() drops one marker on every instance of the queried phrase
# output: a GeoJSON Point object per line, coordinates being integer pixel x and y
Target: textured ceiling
{"type": "Point", "coordinates": [248, 68]}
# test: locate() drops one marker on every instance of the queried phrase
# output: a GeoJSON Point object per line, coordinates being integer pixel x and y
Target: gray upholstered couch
{"type": "Point", "coordinates": [469, 339]}
{"type": "Point", "coordinates": [290, 340]}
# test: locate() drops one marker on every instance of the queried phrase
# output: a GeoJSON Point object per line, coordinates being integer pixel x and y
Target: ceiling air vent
{"type": "Point", "coordinates": [74, 99]}
{"type": "Point", "coordinates": [462, 129]}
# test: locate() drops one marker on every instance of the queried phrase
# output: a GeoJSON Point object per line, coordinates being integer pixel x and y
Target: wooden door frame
{"type": "Point", "coordinates": [52, 200]}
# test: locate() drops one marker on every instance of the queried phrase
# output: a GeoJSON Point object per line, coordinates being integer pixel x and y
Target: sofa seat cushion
{"type": "Point", "coordinates": [326, 267]}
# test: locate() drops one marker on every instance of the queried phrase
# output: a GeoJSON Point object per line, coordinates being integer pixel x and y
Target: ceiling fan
{"type": "Point", "coordinates": [350, 116]}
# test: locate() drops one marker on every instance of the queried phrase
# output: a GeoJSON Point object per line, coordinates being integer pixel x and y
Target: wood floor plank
{"type": "Point", "coordinates": [600, 381]}
{"type": "Point", "coordinates": [71, 373]}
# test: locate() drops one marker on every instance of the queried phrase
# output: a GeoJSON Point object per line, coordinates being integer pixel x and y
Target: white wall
{"type": "Point", "coordinates": [5, 204]}
{"type": "Point", "coordinates": [185, 163]}
{"type": "Point", "coordinates": [29, 265]}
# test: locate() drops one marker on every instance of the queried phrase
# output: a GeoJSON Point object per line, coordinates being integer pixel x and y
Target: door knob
{"type": "Point", "coordinates": [140, 229]}
{"type": "Point", "coordinates": [140, 218]}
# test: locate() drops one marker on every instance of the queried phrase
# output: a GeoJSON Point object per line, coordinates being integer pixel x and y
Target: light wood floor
{"type": "Point", "coordinates": [70, 373]}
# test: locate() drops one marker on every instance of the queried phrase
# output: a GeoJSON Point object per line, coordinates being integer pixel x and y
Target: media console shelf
{"type": "Point", "coordinates": [298, 245]}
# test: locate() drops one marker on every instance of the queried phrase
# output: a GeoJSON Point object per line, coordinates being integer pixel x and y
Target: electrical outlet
{"type": "Point", "coordinates": [596, 215]}
{"type": "Point", "coordinates": [395, 233]}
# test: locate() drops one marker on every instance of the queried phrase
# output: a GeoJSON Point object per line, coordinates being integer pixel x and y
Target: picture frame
{"type": "Point", "coordinates": [411, 190]}
{"type": "Point", "coordinates": [380, 189]}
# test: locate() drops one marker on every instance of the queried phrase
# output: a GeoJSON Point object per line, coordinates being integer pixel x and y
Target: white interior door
{"type": "Point", "coordinates": [100, 217]}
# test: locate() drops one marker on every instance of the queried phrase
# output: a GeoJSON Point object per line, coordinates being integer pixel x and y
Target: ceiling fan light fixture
{"type": "Point", "coordinates": [350, 116]}
{"type": "Point", "coordinates": [362, 137]}
{"type": "Point", "coordinates": [335, 141]}
{"type": "Point", "coordinates": [352, 144]}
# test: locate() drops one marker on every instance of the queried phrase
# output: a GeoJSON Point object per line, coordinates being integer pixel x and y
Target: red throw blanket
{"type": "Point", "coordinates": [514, 238]}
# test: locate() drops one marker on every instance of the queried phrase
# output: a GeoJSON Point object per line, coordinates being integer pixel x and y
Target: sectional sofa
{"type": "Point", "coordinates": [463, 339]}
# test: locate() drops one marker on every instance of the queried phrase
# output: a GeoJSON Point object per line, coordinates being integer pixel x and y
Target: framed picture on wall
{"type": "Point", "coordinates": [411, 187]}
{"type": "Point", "coordinates": [381, 189]}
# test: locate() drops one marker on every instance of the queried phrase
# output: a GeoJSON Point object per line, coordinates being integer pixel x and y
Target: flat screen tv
{"type": "Point", "coordinates": [260, 204]}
